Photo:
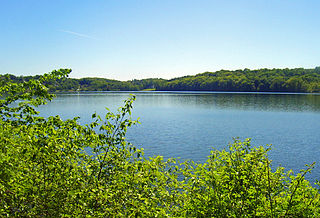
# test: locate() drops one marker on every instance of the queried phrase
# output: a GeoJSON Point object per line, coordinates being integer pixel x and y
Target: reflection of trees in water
{"type": "Point", "coordinates": [241, 101]}
{"type": "Point", "coordinates": [272, 102]}
{"type": "Point", "coordinates": [269, 102]}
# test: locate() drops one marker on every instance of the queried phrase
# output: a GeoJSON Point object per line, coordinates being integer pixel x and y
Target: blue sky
{"type": "Point", "coordinates": [134, 39]}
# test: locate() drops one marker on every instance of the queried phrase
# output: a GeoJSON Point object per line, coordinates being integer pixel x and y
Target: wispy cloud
{"type": "Point", "coordinates": [78, 34]}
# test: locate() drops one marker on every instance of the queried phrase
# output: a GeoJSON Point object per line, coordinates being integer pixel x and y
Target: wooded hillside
{"type": "Point", "coordinates": [262, 80]}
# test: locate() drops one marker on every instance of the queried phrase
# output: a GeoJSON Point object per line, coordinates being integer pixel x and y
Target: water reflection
{"type": "Point", "coordinates": [237, 101]}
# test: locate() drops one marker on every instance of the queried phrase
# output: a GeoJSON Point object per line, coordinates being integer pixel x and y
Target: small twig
{"type": "Point", "coordinates": [269, 187]}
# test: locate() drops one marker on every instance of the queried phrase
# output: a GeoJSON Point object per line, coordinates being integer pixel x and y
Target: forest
{"type": "Point", "coordinates": [261, 80]}
{"type": "Point", "coordinates": [50, 167]}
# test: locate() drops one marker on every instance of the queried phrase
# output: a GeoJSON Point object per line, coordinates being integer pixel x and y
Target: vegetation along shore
{"type": "Point", "coordinates": [261, 80]}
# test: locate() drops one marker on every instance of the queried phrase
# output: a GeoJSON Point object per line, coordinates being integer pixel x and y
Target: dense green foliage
{"type": "Point", "coordinates": [52, 167]}
{"type": "Point", "coordinates": [262, 80]}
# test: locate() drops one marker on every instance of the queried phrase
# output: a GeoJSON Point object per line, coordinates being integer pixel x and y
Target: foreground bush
{"type": "Point", "coordinates": [50, 167]}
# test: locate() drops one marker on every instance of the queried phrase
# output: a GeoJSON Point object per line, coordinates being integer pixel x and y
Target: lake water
{"type": "Point", "coordinates": [190, 124]}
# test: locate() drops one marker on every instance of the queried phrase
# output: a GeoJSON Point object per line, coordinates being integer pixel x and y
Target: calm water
{"type": "Point", "coordinates": [190, 124]}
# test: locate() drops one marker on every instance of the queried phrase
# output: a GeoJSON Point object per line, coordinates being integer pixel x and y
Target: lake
{"type": "Point", "coordinates": [190, 124]}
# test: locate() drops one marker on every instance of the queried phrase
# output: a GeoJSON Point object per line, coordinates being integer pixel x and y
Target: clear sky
{"type": "Point", "coordinates": [135, 39]}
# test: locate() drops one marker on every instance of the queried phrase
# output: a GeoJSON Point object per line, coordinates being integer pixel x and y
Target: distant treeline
{"type": "Point", "coordinates": [262, 80]}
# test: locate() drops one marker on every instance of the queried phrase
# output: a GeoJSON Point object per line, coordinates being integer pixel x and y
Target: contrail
{"type": "Point", "coordinates": [77, 34]}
